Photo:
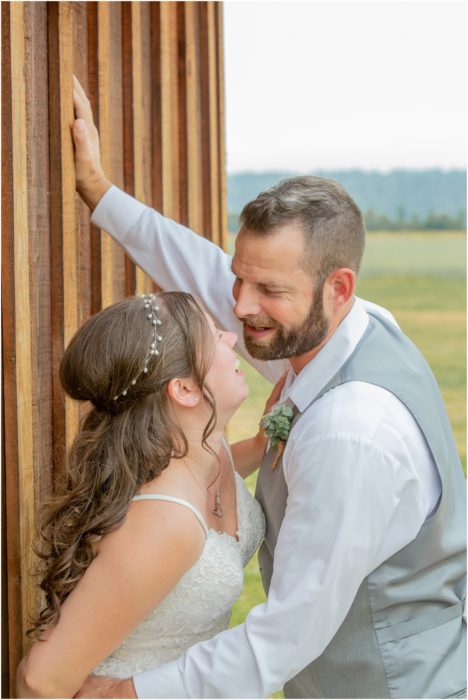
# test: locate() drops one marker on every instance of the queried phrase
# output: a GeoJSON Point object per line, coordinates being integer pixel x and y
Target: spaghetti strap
{"type": "Point", "coordinates": [228, 450]}
{"type": "Point", "coordinates": [173, 499]}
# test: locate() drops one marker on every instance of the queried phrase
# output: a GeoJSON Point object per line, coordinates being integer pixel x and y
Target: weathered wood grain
{"type": "Point", "coordinates": [12, 633]}
{"type": "Point", "coordinates": [111, 131]}
{"type": "Point", "coordinates": [221, 116]}
{"type": "Point", "coordinates": [37, 126]}
{"type": "Point", "coordinates": [169, 110]}
{"type": "Point", "coordinates": [153, 72]}
{"type": "Point", "coordinates": [64, 231]}
{"type": "Point", "coordinates": [193, 116]}
{"type": "Point", "coordinates": [22, 313]}
{"type": "Point", "coordinates": [81, 60]}
{"type": "Point", "coordinates": [141, 115]}
{"type": "Point", "coordinates": [90, 80]}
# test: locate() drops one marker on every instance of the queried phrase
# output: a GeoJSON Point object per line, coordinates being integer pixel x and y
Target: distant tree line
{"type": "Point", "coordinates": [433, 221]}
{"type": "Point", "coordinates": [431, 200]}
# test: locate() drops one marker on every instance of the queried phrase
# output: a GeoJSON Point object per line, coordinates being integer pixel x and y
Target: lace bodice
{"type": "Point", "coordinates": [199, 606]}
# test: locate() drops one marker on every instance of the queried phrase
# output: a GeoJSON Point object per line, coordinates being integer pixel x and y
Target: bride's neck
{"type": "Point", "coordinates": [193, 423]}
{"type": "Point", "coordinates": [199, 456]}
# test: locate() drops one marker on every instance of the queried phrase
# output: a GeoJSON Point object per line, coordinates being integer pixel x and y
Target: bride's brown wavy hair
{"type": "Point", "coordinates": [122, 443]}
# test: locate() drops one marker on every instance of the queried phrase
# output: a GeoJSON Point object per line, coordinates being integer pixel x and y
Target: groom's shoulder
{"type": "Point", "coordinates": [356, 409]}
{"type": "Point", "coordinates": [376, 310]}
{"type": "Point", "coordinates": [354, 423]}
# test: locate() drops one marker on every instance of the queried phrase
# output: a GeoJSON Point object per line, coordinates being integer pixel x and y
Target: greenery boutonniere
{"type": "Point", "coordinates": [277, 425]}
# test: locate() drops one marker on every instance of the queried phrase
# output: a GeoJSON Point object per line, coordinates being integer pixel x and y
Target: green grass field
{"type": "Point", "coordinates": [420, 278]}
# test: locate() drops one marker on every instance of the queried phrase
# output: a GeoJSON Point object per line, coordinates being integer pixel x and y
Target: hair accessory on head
{"type": "Point", "coordinates": [151, 315]}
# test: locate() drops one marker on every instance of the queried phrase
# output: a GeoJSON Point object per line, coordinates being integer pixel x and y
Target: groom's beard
{"type": "Point", "coordinates": [288, 343]}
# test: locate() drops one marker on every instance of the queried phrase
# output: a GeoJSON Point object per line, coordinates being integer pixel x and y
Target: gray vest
{"type": "Point", "coordinates": [403, 636]}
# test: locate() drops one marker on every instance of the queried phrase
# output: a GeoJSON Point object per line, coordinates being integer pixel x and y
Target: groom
{"type": "Point", "coordinates": [364, 556]}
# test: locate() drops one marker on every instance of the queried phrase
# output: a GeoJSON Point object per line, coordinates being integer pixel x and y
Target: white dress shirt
{"type": "Point", "coordinates": [360, 477]}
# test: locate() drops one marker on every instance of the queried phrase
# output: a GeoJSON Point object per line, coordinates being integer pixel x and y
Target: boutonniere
{"type": "Point", "coordinates": [277, 425]}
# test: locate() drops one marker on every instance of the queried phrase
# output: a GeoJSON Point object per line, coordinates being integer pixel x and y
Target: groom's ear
{"type": "Point", "coordinates": [184, 391]}
{"type": "Point", "coordinates": [339, 286]}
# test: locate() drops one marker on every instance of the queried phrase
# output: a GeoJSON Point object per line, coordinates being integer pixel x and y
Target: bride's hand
{"type": "Point", "coordinates": [105, 687]}
{"type": "Point", "coordinates": [91, 181]}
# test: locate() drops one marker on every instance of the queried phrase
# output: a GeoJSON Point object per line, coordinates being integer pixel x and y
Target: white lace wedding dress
{"type": "Point", "coordinates": [199, 606]}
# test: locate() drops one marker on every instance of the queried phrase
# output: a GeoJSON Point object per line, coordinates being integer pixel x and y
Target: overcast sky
{"type": "Point", "coordinates": [374, 84]}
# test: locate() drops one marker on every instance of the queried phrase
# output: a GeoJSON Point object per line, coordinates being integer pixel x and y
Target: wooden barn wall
{"type": "Point", "coordinates": [154, 74]}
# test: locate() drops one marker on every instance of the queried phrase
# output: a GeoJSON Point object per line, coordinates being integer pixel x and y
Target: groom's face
{"type": "Point", "coordinates": [282, 312]}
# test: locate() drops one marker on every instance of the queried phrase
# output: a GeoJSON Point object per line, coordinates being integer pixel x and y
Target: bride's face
{"type": "Point", "coordinates": [224, 377]}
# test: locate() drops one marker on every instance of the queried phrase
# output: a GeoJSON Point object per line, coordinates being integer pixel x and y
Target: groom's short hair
{"type": "Point", "coordinates": [332, 222]}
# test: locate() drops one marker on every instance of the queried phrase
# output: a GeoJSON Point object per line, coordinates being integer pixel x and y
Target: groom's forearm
{"type": "Point", "coordinates": [93, 191]}
{"type": "Point", "coordinates": [91, 181]}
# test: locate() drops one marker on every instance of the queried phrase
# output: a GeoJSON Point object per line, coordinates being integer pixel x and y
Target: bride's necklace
{"type": "Point", "coordinates": [217, 509]}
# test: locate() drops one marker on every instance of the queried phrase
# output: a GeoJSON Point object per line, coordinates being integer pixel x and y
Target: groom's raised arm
{"type": "Point", "coordinates": [175, 257]}
{"type": "Point", "coordinates": [172, 255]}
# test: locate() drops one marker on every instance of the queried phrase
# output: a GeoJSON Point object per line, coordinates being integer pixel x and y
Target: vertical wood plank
{"type": "Point", "coordinates": [65, 291]}
{"type": "Point", "coordinates": [169, 110]}
{"type": "Point", "coordinates": [12, 643]}
{"type": "Point", "coordinates": [221, 116]}
{"type": "Point", "coordinates": [69, 219]}
{"type": "Point", "coordinates": [181, 106]}
{"type": "Point", "coordinates": [22, 311]}
{"type": "Point", "coordinates": [213, 122]}
{"type": "Point", "coordinates": [128, 126]}
{"type": "Point", "coordinates": [175, 109]}
{"type": "Point", "coordinates": [80, 58]}
{"type": "Point", "coordinates": [127, 98]}
{"type": "Point", "coordinates": [193, 117]}
{"type": "Point", "coordinates": [104, 80]}
{"type": "Point", "coordinates": [141, 100]}
{"type": "Point", "coordinates": [166, 83]}
{"type": "Point", "coordinates": [156, 107]}
{"type": "Point", "coordinates": [92, 83]}
{"type": "Point", "coordinates": [37, 135]}
{"type": "Point", "coordinates": [87, 234]}
{"type": "Point", "coordinates": [205, 121]}
{"type": "Point", "coordinates": [111, 132]}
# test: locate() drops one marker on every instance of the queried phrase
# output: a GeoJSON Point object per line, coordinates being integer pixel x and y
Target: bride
{"type": "Point", "coordinates": [143, 551]}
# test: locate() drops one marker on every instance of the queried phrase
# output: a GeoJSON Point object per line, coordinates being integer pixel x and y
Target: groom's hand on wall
{"type": "Point", "coordinates": [105, 687]}
{"type": "Point", "coordinates": [91, 181]}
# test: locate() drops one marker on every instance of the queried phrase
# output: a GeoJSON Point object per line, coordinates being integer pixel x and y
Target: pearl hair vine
{"type": "Point", "coordinates": [152, 315]}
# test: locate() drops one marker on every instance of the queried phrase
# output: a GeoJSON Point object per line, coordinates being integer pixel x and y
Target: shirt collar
{"type": "Point", "coordinates": [303, 387]}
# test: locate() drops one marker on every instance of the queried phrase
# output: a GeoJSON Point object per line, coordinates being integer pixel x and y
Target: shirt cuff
{"type": "Point", "coordinates": [117, 212]}
{"type": "Point", "coordinates": [165, 681]}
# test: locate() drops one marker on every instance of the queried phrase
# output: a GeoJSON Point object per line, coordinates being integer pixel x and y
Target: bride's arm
{"type": "Point", "coordinates": [135, 568]}
{"type": "Point", "coordinates": [247, 454]}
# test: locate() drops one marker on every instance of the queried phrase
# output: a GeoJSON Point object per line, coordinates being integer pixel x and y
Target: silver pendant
{"type": "Point", "coordinates": [217, 510]}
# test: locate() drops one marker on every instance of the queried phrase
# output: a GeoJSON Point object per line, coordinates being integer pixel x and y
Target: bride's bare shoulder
{"type": "Point", "coordinates": [157, 528]}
